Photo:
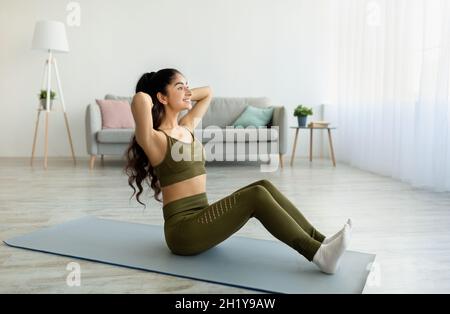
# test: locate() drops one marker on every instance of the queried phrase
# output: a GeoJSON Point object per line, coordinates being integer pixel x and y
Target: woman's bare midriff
{"type": "Point", "coordinates": [192, 186]}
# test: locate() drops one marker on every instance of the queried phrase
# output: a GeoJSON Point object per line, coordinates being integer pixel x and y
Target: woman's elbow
{"type": "Point", "coordinates": [210, 91]}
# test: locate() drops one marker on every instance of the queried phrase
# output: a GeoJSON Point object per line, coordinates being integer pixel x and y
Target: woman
{"type": "Point", "coordinates": [192, 225]}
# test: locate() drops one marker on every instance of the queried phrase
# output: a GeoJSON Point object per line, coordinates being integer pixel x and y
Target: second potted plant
{"type": "Point", "coordinates": [43, 99]}
{"type": "Point", "coordinates": [302, 113]}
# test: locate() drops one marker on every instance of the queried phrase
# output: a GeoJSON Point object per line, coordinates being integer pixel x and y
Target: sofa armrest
{"type": "Point", "coordinates": [279, 119]}
{"type": "Point", "coordinates": [93, 123]}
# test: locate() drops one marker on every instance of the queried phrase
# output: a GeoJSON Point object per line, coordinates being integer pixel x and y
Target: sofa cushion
{"type": "Point", "coordinates": [115, 135]}
{"type": "Point", "coordinates": [206, 135]}
{"type": "Point", "coordinates": [223, 111]}
{"type": "Point", "coordinates": [253, 116]}
{"type": "Point", "coordinates": [114, 97]}
{"type": "Point", "coordinates": [116, 114]}
{"type": "Point", "coordinates": [216, 134]}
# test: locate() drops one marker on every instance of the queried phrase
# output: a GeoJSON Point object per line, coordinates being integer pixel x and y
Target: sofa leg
{"type": "Point", "coordinates": [92, 161]}
{"type": "Point", "coordinates": [281, 160]}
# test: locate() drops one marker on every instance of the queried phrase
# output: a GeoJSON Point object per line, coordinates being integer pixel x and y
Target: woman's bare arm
{"type": "Point", "coordinates": [200, 93]}
{"type": "Point", "coordinates": [141, 107]}
{"type": "Point", "coordinates": [203, 96]}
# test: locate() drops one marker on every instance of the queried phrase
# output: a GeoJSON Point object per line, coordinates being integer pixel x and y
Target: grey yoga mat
{"type": "Point", "coordinates": [261, 265]}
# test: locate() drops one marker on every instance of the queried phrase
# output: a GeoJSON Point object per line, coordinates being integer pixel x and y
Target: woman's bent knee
{"type": "Point", "coordinates": [256, 193]}
{"type": "Point", "coordinates": [265, 183]}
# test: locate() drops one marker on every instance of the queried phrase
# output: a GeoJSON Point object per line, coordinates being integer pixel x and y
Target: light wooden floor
{"type": "Point", "coordinates": [408, 228]}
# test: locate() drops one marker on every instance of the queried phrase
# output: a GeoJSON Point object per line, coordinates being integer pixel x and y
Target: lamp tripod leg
{"type": "Point", "coordinates": [64, 110]}
{"type": "Point", "coordinates": [70, 138]}
{"type": "Point", "coordinates": [46, 140]}
{"type": "Point", "coordinates": [40, 108]}
{"type": "Point", "coordinates": [35, 136]}
{"type": "Point", "coordinates": [49, 86]}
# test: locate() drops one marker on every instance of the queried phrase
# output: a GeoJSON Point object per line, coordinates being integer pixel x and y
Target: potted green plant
{"type": "Point", "coordinates": [302, 113]}
{"type": "Point", "coordinates": [43, 99]}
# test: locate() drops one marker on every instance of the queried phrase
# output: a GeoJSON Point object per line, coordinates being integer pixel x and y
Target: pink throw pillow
{"type": "Point", "coordinates": [116, 114]}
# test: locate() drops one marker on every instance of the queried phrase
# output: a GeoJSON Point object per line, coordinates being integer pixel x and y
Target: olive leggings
{"type": "Point", "coordinates": [193, 226]}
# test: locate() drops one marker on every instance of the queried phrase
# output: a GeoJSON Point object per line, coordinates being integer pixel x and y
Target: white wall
{"type": "Point", "coordinates": [279, 49]}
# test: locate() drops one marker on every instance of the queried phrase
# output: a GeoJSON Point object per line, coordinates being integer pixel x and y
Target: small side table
{"type": "Point", "coordinates": [297, 128]}
{"type": "Point", "coordinates": [47, 112]}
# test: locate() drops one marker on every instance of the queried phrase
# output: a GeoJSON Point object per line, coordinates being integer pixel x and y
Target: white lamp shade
{"type": "Point", "coordinates": [50, 35]}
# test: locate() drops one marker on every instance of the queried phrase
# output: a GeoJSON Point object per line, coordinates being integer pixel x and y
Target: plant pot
{"type": "Point", "coordinates": [44, 104]}
{"type": "Point", "coordinates": [302, 120]}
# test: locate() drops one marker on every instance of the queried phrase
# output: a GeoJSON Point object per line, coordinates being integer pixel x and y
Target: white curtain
{"type": "Point", "coordinates": [392, 89]}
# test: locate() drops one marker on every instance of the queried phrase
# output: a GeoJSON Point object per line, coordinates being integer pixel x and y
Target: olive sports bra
{"type": "Point", "coordinates": [182, 161]}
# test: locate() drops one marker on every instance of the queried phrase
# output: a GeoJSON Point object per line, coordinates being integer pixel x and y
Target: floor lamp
{"type": "Point", "coordinates": [51, 37]}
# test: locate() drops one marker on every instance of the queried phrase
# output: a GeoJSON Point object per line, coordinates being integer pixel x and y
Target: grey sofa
{"type": "Point", "coordinates": [238, 143]}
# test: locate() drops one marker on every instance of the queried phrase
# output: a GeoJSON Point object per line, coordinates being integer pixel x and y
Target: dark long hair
{"type": "Point", "coordinates": [138, 167]}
